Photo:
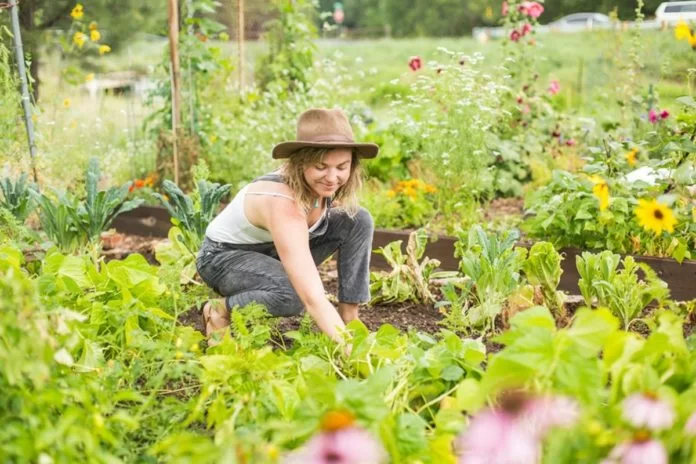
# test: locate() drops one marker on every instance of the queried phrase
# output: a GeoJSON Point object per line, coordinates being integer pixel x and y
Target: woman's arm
{"type": "Point", "coordinates": [288, 227]}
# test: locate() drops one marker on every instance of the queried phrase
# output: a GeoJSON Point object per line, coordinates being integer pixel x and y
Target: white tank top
{"type": "Point", "coordinates": [232, 225]}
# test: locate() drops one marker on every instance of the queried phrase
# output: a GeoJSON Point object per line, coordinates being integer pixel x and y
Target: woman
{"type": "Point", "coordinates": [265, 245]}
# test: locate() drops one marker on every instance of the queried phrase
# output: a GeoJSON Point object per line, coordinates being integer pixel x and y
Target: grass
{"type": "Point", "coordinates": [588, 65]}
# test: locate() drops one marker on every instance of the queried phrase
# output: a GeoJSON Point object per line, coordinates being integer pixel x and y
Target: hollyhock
{"type": "Point", "coordinates": [554, 87]}
{"type": "Point", "coordinates": [652, 116]}
{"type": "Point", "coordinates": [505, 9]}
{"type": "Point", "coordinates": [339, 442]}
{"type": "Point", "coordinates": [415, 63]}
{"type": "Point", "coordinates": [664, 114]}
{"type": "Point", "coordinates": [526, 29]}
{"type": "Point", "coordinates": [515, 35]}
{"type": "Point", "coordinates": [531, 9]}
{"type": "Point", "coordinates": [646, 410]}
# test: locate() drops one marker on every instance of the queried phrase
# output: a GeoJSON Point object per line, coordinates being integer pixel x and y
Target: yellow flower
{"type": "Point", "coordinates": [682, 31]}
{"type": "Point", "coordinates": [79, 39]}
{"type": "Point", "coordinates": [104, 49]}
{"type": "Point", "coordinates": [631, 157]}
{"type": "Point", "coordinates": [89, 77]}
{"type": "Point", "coordinates": [66, 103]}
{"type": "Point", "coordinates": [601, 191]}
{"type": "Point", "coordinates": [391, 194]}
{"type": "Point", "coordinates": [430, 188]}
{"type": "Point", "coordinates": [77, 12]}
{"type": "Point", "coordinates": [410, 192]}
{"type": "Point", "coordinates": [92, 26]}
{"type": "Point", "coordinates": [94, 35]}
{"type": "Point", "coordinates": [655, 216]}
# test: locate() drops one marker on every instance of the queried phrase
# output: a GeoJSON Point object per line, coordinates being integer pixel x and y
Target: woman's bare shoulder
{"type": "Point", "coordinates": [271, 187]}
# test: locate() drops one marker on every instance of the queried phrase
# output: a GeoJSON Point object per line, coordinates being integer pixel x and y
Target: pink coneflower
{"type": "Point", "coordinates": [652, 116]}
{"type": "Point", "coordinates": [531, 9]}
{"type": "Point", "coordinates": [513, 433]}
{"type": "Point", "coordinates": [526, 29]}
{"type": "Point", "coordinates": [690, 426]}
{"type": "Point", "coordinates": [646, 410]}
{"type": "Point", "coordinates": [505, 9]}
{"type": "Point", "coordinates": [642, 450]}
{"type": "Point", "coordinates": [664, 114]}
{"type": "Point", "coordinates": [554, 87]}
{"type": "Point", "coordinates": [415, 63]}
{"type": "Point", "coordinates": [339, 442]}
{"type": "Point", "coordinates": [515, 35]}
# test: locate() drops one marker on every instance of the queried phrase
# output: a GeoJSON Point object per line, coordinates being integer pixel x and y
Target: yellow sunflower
{"type": "Point", "coordinates": [655, 216]}
{"type": "Point", "coordinates": [631, 157]}
{"type": "Point", "coordinates": [77, 12]}
{"type": "Point", "coordinates": [682, 31]}
{"type": "Point", "coordinates": [601, 191]}
{"type": "Point", "coordinates": [94, 35]}
{"type": "Point", "coordinates": [79, 39]}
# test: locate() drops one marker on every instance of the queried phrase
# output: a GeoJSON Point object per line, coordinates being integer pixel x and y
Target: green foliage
{"type": "Point", "coordinates": [13, 140]}
{"type": "Point", "coordinates": [57, 220]}
{"type": "Point", "coordinates": [17, 197]}
{"type": "Point", "coordinates": [623, 292]}
{"type": "Point", "coordinates": [493, 265]}
{"type": "Point", "coordinates": [192, 217]}
{"type": "Point", "coordinates": [543, 268]}
{"type": "Point", "coordinates": [409, 279]}
{"type": "Point", "coordinates": [291, 51]}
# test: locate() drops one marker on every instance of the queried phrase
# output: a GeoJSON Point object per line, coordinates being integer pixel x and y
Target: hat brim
{"type": "Point", "coordinates": [285, 149]}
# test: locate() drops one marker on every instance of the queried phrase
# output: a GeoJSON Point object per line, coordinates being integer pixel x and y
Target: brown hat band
{"type": "Point", "coordinates": [330, 138]}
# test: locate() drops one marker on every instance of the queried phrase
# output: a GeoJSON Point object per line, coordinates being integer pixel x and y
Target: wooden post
{"type": "Point", "coordinates": [176, 80]}
{"type": "Point", "coordinates": [26, 103]}
{"type": "Point", "coordinates": [240, 41]}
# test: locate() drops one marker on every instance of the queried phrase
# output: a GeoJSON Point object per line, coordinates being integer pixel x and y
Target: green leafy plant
{"type": "Point", "coordinates": [543, 269]}
{"type": "Point", "coordinates": [193, 216]}
{"type": "Point", "coordinates": [622, 291]}
{"type": "Point", "coordinates": [16, 196]}
{"type": "Point", "coordinates": [56, 213]}
{"type": "Point", "coordinates": [493, 266]}
{"type": "Point", "coordinates": [411, 274]}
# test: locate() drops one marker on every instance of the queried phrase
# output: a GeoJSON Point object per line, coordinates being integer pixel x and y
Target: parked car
{"type": "Point", "coordinates": [580, 21]}
{"type": "Point", "coordinates": [673, 12]}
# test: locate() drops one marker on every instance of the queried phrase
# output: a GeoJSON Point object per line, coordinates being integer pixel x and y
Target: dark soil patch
{"type": "Point", "coordinates": [119, 246]}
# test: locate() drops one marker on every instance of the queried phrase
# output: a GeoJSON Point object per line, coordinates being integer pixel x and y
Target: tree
{"type": "Point", "coordinates": [118, 21]}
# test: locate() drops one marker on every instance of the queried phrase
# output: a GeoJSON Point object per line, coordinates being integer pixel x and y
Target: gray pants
{"type": "Point", "coordinates": [253, 273]}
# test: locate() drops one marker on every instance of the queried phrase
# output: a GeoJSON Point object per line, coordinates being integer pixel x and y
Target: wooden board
{"type": "Point", "coordinates": [153, 221]}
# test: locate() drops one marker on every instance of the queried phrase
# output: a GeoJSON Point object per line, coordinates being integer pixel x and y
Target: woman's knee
{"type": "Point", "coordinates": [285, 303]}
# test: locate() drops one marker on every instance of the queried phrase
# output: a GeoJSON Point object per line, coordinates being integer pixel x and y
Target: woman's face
{"type": "Point", "coordinates": [329, 174]}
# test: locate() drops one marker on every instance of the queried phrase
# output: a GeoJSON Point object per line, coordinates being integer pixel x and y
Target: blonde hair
{"type": "Point", "coordinates": [293, 172]}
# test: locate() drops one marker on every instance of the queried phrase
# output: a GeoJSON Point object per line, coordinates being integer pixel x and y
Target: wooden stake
{"type": "Point", "coordinates": [26, 103]}
{"type": "Point", "coordinates": [176, 80]}
{"type": "Point", "coordinates": [240, 41]}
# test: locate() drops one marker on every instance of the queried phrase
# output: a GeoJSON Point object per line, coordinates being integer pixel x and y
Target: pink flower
{"type": "Point", "coordinates": [526, 109]}
{"type": "Point", "coordinates": [639, 451]}
{"type": "Point", "coordinates": [497, 437]}
{"type": "Point", "coordinates": [531, 9]}
{"type": "Point", "coordinates": [515, 35]}
{"type": "Point", "coordinates": [526, 29]}
{"type": "Point", "coordinates": [554, 87]}
{"type": "Point", "coordinates": [346, 446]}
{"type": "Point", "coordinates": [690, 427]}
{"type": "Point", "coordinates": [415, 63]}
{"type": "Point", "coordinates": [570, 142]}
{"type": "Point", "coordinates": [664, 114]}
{"type": "Point", "coordinates": [505, 9]}
{"type": "Point", "coordinates": [652, 116]}
{"type": "Point", "coordinates": [545, 413]}
{"type": "Point", "coordinates": [513, 434]}
{"type": "Point", "coordinates": [646, 410]}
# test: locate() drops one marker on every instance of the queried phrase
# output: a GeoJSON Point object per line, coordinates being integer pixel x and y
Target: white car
{"type": "Point", "coordinates": [673, 12]}
{"type": "Point", "coordinates": [581, 21]}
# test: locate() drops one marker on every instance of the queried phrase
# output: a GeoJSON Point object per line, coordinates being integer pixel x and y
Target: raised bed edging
{"type": "Point", "coordinates": [153, 221]}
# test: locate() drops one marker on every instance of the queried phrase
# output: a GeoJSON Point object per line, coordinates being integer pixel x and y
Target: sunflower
{"type": "Point", "coordinates": [631, 157]}
{"type": "Point", "coordinates": [655, 216]}
{"type": "Point", "coordinates": [77, 12]}
{"type": "Point", "coordinates": [601, 191]}
{"type": "Point", "coordinates": [682, 31]}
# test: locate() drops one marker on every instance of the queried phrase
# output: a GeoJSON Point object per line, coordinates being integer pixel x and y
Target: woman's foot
{"type": "Point", "coordinates": [216, 319]}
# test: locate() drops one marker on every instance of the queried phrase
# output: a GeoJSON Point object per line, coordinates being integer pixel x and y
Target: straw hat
{"type": "Point", "coordinates": [324, 128]}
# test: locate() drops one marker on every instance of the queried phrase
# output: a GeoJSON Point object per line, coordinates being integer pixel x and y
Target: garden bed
{"type": "Point", "coordinates": [153, 221]}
